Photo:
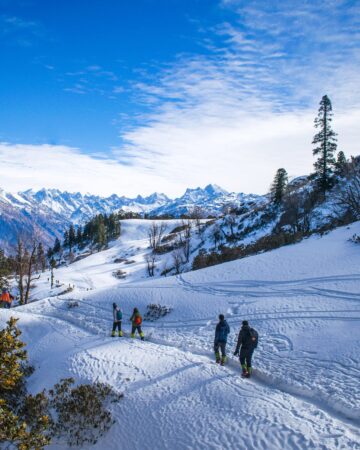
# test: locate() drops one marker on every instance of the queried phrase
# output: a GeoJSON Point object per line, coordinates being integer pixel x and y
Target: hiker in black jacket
{"type": "Point", "coordinates": [247, 340]}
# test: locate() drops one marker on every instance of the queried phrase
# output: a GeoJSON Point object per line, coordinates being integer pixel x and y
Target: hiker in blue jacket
{"type": "Point", "coordinates": [221, 333]}
{"type": "Point", "coordinates": [117, 313]}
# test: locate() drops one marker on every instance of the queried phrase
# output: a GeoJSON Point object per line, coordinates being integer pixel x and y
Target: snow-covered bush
{"type": "Point", "coordinates": [129, 261]}
{"type": "Point", "coordinates": [119, 274]}
{"type": "Point", "coordinates": [355, 238]}
{"type": "Point", "coordinates": [72, 304]}
{"type": "Point", "coordinates": [78, 414]}
{"type": "Point", "coordinates": [66, 291]}
{"type": "Point", "coordinates": [119, 260]}
{"type": "Point", "coordinates": [155, 311]}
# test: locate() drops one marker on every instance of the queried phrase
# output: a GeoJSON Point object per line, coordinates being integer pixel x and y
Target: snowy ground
{"type": "Point", "coordinates": [304, 301]}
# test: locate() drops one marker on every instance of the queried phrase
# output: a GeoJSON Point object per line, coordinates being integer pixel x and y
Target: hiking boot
{"type": "Point", "coordinates": [120, 333]}
{"type": "Point", "coordinates": [223, 360]}
{"type": "Point", "coordinates": [113, 334]}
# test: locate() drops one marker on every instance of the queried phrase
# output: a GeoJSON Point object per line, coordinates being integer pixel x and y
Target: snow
{"type": "Point", "coordinates": [303, 299]}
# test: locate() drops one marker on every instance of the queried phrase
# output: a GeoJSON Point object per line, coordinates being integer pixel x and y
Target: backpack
{"type": "Point", "coordinates": [119, 314]}
{"type": "Point", "coordinates": [138, 320]}
{"type": "Point", "coordinates": [254, 335]}
{"type": "Point", "coordinates": [223, 331]}
{"type": "Point", "coordinates": [5, 297]}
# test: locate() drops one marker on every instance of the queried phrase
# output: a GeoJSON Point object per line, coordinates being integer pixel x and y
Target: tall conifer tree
{"type": "Point", "coordinates": [277, 189]}
{"type": "Point", "coordinates": [325, 142]}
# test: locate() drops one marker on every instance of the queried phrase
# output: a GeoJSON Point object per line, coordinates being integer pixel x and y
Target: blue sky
{"type": "Point", "coordinates": [166, 94]}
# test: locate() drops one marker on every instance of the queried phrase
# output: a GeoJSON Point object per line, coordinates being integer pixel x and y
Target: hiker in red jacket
{"type": "Point", "coordinates": [6, 298]}
{"type": "Point", "coordinates": [136, 321]}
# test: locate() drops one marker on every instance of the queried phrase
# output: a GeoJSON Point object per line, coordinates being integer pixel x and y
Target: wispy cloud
{"type": "Point", "coordinates": [20, 31]}
{"type": "Point", "coordinates": [245, 107]}
{"type": "Point", "coordinates": [93, 79]}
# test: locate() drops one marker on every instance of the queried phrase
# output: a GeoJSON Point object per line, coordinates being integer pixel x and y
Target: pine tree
{"type": "Point", "coordinates": [278, 186]}
{"type": "Point", "coordinates": [52, 267]}
{"type": "Point", "coordinates": [20, 265]}
{"type": "Point", "coordinates": [72, 237]}
{"type": "Point", "coordinates": [341, 164]}
{"type": "Point", "coordinates": [41, 260]}
{"type": "Point", "coordinates": [79, 236]}
{"type": "Point", "coordinates": [325, 141]}
{"type": "Point", "coordinates": [5, 269]}
{"type": "Point", "coordinates": [13, 429]}
{"type": "Point", "coordinates": [100, 238]}
{"type": "Point", "coordinates": [66, 239]}
{"type": "Point", "coordinates": [57, 246]}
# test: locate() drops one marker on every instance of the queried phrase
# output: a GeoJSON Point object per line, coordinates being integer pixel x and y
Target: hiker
{"type": "Point", "coordinates": [117, 320]}
{"type": "Point", "coordinates": [6, 298]}
{"type": "Point", "coordinates": [221, 333]}
{"type": "Point", "coordinates": [136, 320]}
{"type": "Point", "coordinates": [248, 340]}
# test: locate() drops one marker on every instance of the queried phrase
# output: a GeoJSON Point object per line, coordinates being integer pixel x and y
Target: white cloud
{"type": "Point", "coordinates": [240, 153]}
{"type": "Point", "coordinates": [245, 108]}
{"type": "Point", "coordinates": [36, 166]}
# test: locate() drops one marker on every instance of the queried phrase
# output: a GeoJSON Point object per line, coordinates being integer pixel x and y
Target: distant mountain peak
{"type": "Point", "coordinates": [215, 189]}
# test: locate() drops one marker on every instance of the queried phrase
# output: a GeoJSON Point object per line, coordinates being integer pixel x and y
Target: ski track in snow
{"type": "Point", "coordinates": [305, 392]}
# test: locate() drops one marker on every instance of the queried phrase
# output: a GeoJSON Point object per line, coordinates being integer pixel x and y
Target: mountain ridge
{"type": "Point", "coordinates": [48, 211]}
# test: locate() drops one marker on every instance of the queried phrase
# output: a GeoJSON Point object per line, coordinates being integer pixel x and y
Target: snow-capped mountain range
{"type": "Point", "coordinates": [48, 212]}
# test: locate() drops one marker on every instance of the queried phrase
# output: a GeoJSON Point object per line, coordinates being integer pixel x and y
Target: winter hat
{"type": "Point", "coordinates": [221, 317]}
{"type": "Point", "coordinates": [245, 322]}
{"type": "Point", "coordinates": [136, 310]}
{"type": "Point", "coordinates": [114, 305]}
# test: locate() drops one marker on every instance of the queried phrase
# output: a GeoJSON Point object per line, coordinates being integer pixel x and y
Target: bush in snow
{"type": "Point", "coordinates": [66, 291]}
{"type": "Point", "coordinates": [119, 260]}
{"type": "Point", "coordinates": [129, 261]}
{"type": "Point", "coordinates": [155, 311]}
{"type": "Point", "coordinates": [355, 238]}
{"type": "Point", "coordinates": [120, 274]}
{"type": "Point", "coordinates": [78, 414]}
{"type": "Point", "coordinates": [72, 304]}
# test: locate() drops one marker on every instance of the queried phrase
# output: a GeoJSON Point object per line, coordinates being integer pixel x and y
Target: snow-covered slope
{"type": "Point", "coordinates": [304, 301]}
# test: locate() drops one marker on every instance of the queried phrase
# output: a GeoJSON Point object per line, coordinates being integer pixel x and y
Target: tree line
{"type": "Point", "coordinates": [97, 232]}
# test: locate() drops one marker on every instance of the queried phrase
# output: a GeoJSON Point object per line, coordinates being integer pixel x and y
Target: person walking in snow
{"type": "Point", "coordinates": [248, 341]}
{"type": "Point", "coordinates": [136, 321]}
{"type": "Point", "coordinates": [221, 333]}
{"type": "Point", "coordinates": [117, 313]}
{"type": "Point", "coordinates": [6, 298]}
